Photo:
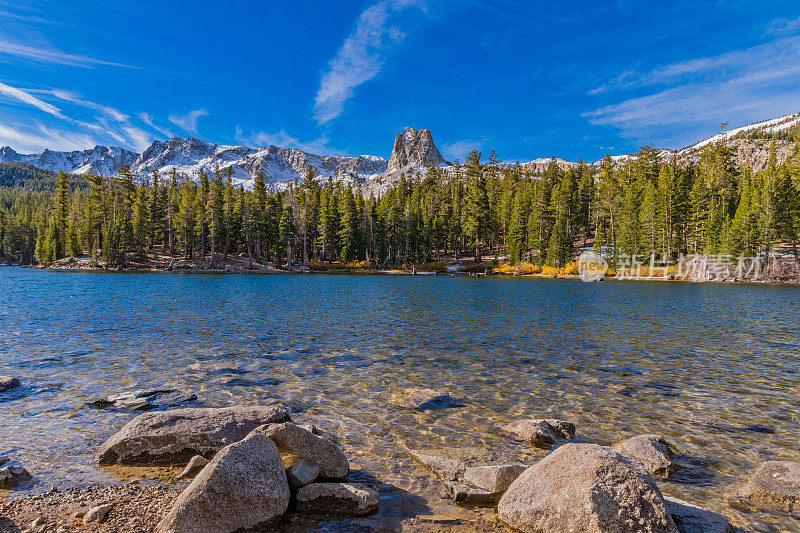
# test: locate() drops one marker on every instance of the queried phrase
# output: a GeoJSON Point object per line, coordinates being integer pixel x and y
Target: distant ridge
{"type": "Point", "coordinates": [413, 150]}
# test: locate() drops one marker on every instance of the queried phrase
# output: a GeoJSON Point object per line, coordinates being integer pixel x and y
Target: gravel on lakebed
{"type": "Point", "coordinates": [137, 508]}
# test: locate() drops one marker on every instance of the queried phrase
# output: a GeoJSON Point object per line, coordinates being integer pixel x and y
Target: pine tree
{"type": "Point", "coordinates": [477, 211]}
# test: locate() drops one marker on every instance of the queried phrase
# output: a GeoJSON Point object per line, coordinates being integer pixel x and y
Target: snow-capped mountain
{"type": "Point", "coordinates": [279, 165]}
{"type": "Point", "coordinates": [413, 150]}
{"type": "Point", "coordinates": [100, 159]}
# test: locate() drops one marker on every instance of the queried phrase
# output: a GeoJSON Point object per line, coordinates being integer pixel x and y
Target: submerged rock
{"type": "Point", "coordinates": [337, 499]}
{"type": "Point", "coordinates": [302, 473]}
{"type": "Point", "coordinates": [424, 399]}
{"type": "Point", "coordinates": [7, 383]}
{"type": "Point", "coordinates": [196, 464]}
{"type": "Point", "coordinates": [541, 433]}
{"type": "Point", "coordinates": [493, 478]}
{"type": "Point", "coordinates": [174, 437]}
{"type": "Point", "coordinates": [587, 488]}
{"type": "Point", "coordinates": [446, 468]}
{"type": "Point", "coordinates": [144, 400]}
{"type": "Point", "coordinates": [466, 494]}
{"type": "Point", "coordinates": [12, 476]}
{"type": "Point", "coordinates": [777, 483]}
{"type": "Point", "coordinates": [692, 519]}
{"type": "Point", "coordinates": [293, 440]}
{"type": "Point", "coordinates": [653, 451]}
{"type": "Point", "coordinates": [243, 487]}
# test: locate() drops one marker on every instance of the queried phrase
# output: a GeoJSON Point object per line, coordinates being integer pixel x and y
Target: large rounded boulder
{"type": "Point", "coordinates": [173, 437]}
{"type": "Point", "coordinates": [585, 488]}
{"type": "Point", "coordinates": [243, 487]}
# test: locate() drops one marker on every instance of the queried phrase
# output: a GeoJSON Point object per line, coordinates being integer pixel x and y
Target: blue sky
{"type": "Point", "coordinates": [525, 78]}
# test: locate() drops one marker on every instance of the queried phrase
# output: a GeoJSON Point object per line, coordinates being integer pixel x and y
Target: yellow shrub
{"type": "Point", "coordinates": [358, 265]}
{"type": "Point", "coordinates": [520, 268]}
{"type": "Point", "coordinates": [431, 266]}
{"type": "Point", "coordinates": [318, 265]}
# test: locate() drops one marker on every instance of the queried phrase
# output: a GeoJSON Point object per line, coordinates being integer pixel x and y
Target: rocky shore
{"type": "Point", "coordinates": [252, 468]}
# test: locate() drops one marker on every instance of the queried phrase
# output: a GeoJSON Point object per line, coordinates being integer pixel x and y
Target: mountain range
{"type": "Point", "coordinates": [413, 150]}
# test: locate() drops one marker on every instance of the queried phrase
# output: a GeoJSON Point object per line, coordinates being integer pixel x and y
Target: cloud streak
{"type": "Point", "coordinates": [283, 139]}
{"type": "Point", "coordinates": [361, 56]}
{"type": "Point", "coordinates": [692, 97]}
{"type": "Point", "coordinates": [111, 124]}
{"type": "Point", "coordinates": [47, 54]}
{"type": "Point", "coordinates": [188, 122]}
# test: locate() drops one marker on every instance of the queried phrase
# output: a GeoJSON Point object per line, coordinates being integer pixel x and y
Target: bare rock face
{"type": "Point", "coordinates": [8, 383]}
{"type": "Point", "coordinates": [653, 451]}
{"type": "Point", "coordinates": [337, 499]}
{"type": "Point", "coordinates": [692, 519]}
{"type": "Point", "coordinates": [412, 147]}
{"type": "Point", "coordinates": [777, 483]}
{"type": "Point", "coordinates": [587, 488]}
{"type": "Point", "coordinates": [541, 433]}
{"type": "Point", "coordinates": [174, 437]}
{"type": "Point", "coordinates": [293, 440]}
{"type": "Point", "coordinates": [243, 487]}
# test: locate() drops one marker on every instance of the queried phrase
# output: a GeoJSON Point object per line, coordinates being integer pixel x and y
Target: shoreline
{"type": "Point", "coordinates": [301, 270]}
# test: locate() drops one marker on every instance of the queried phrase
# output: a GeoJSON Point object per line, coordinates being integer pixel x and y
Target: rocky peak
{"type": "Point", "coordinates": [412, 147]}
{"type": "Point", "coordinates": [8, 154]}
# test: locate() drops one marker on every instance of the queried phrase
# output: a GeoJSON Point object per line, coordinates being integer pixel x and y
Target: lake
{"type": "Point", "coordinates": [711, 366]}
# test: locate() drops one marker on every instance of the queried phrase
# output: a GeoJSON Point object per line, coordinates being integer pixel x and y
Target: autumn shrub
{"type": "Point", "coordinates": [430, 266]}
{"type": "Point", "coordinates": [521, 267]}
{"type": "Point", "coordinates": [318, 265]}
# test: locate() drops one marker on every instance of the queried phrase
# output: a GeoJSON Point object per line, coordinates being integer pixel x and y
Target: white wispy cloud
{"type": "Point", "coordinates": [692, 97]}
{"type": "Point", "coordinates": [27, 98]}
{"type": "Point", "coordinates": [45, 53]}
{"type": "Point", "coordinates": [784, 26]}
{"type": "Point", "coordinates": [188, 122]}
{"type": "Point", "coordinates": [148, 119]}
{"type": "Point", "coordinates": [75, 98]}
{"type": "Point", "coordinates": [460, 149]}
{"type": "Point", "coordinates": [111, 125]}
{"type": "Point", "coordinates": [283, 139]}
{"type": "Point", "coordinates": [40, 137]}
{"type": "Point", "coordinates": [361, 56]}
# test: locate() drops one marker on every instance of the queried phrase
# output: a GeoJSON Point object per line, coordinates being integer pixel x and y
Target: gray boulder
{"type": "Point", "coordinates": [653, 451]}
{"type": "Point", "coordinates": [587, 488]}
{"type": "Point", "coordinates": [692, 519]}
{"type": "Point", "coordinates": [776, 483]}
{"type": "Point", "coordinates": [243, 487]}
{"type": "Point", "coordinates": [173, 437]}
{"type": "Point", "coordinates": [8, 383]}
{"type": "Point", "coordinates": [144, 400]}
{"type": "Point", "coordinates": [337, 499]}
{"type": "Point", "coordinates": [493, 478]}
{"type": "Point", "coordinates": [302, 473]}
{"type": "Point", "coordinates": [466, 494]}
{"type": "Point", "coordinates": [446, 468]}
{"type": "Point", "coordinates": [299, 443]}
{"type": "Point", "coordinates": [541, 433]}
{"type": "Point", "coordinates": [196, 464]}
{"type": "Point", "coordinates": [97, 513]}
{"type": "Point", "coordinates": [13, 476]}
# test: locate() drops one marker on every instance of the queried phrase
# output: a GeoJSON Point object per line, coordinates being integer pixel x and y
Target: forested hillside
{"type": "Point", "coordinates": [645, 206]}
